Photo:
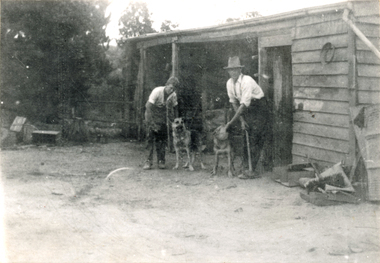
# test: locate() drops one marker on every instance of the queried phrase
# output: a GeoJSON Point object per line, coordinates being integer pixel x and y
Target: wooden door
{"type": "Point", "coordinates": [280, 95]}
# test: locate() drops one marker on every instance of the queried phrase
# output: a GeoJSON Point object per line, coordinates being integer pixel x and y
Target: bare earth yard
{"type": "Point", "coordinates": [60, 208]}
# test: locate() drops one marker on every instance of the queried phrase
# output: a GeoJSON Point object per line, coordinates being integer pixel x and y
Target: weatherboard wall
{"type": "Point", "coordinates": [368, 65]}
{"type": "Point", "coordinates": [320, 91]}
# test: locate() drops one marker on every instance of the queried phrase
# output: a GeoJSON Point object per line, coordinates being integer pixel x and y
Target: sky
{"type": "Point", "coordinates": [203, 13]}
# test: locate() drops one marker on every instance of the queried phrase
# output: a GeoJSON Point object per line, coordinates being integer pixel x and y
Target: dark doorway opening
{"type": "Point", "coordinates": [280, 98]}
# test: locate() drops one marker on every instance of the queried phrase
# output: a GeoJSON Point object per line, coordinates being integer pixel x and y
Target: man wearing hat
{"type": "Point", "coordinates": [160, 100]}
{"type": "Point", "coordinates": [247, 99]}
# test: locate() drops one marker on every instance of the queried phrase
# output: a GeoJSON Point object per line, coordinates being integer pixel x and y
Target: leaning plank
{"type": "Point", "coordinates": [301, 159]}
{"type": "Point", "coordinates": [334, 68]}
{"type": "Point", "coordinates": [321, 130]}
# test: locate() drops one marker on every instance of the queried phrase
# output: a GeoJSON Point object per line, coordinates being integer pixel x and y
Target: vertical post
{"type": "Point", "coordinates": [353, 92]}
{"type": "Point", "coordinates": [140, 92]}
{"type": "Point", "coordinates": [127, 72]}
{"type": "Point", "coordinates": [174, 74]}
{"type": "Point", "coordinates": [175, 63]}
{"type": "Point", "coordinates": [264, 76]}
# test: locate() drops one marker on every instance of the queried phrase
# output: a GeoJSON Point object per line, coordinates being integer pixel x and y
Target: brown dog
{"type": "Point", "coordinates": [182, 140]}
{"type": "Point", "coordinates": [222, 145]}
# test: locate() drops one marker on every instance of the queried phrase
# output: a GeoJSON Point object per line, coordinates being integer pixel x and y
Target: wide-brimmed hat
{"type": "Point", "coordinates": [233, 62]}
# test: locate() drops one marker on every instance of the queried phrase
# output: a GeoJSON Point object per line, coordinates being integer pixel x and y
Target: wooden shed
{"type": "Point", "coordinates": [320, 61]}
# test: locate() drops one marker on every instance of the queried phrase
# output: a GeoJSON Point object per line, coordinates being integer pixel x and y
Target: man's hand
{"type": "Point", "coordinates": [244, 125]}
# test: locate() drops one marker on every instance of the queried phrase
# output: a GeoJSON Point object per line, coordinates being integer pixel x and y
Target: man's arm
{"type": "Point", "coordinates": [148, 116]}
{"type": "Point", "coordinates": [238, 112]}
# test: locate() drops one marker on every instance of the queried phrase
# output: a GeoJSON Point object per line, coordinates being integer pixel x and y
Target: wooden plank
{"type": "Point", "coordinates": [375, 19]}
{"type": "Point", "coordinates": [321, 130]}
{"type": "Point", "coordinates": [336, 94]}
{"type": "Point", "coordinates": [275, 41]}
{"type": "Point", "coordinates": [339, 41]}
{"type": "Point", "coordinates": [352, 87]}
{"type": "Point", "coordinates": [321, 142]}
{"type": "Point", "coordinates": [365, 8]}
{"type": "Point", "coordinates": [318, 154]}
{"type": "Point", "coordinates": [315, 56]}
{"type": "Point", "coordinates": [321, 81]}
{"type": "Point", "coordinates": [360, 45]}
{"type": "Point", "coordinates": [321, 106]}
{"type": "Point", "coordinates": [274, 28]}
{"type": "Point", "coordinates": [369, 30]}
{"type": "Point", "coordinates": [301, 159]}
{"type": "Point", "coordinates": [320, 18]}
{"type": "Point", "coordinates": [322, 29]}
{"type": "Point", "coordinates": [175, 62]}
{"type": "Point", "coordinates": [369, 97]}
{"type": "Point", "coordinates": [368, 70]}
{"type": "Point", "coordinates": [321, 118]}
{"type": "Point", "coordinates": [365, 83]}
{"type": "Point", "coordinates": [367, 57]}
{"type": "Point", "coordinates": [333, 68]}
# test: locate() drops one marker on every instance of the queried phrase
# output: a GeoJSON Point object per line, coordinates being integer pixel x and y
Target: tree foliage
{"type": "Point", "coordinates": [135, 21]}
{"type": "Point", "coordinates": [52, 53]}
{"type": "Point", "coordinates": [247, 15]}
{"type": "Point", "coordinates": [167, 25]}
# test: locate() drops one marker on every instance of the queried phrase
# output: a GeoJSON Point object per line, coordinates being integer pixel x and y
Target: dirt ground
{"type": "Point", "coordinates": [60, 208]}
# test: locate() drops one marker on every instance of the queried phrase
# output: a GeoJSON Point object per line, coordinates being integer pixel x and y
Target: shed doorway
{"type": "Point", "coordinates": [280, 97]}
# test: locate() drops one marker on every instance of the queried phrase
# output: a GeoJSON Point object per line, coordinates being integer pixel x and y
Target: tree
{"type": "Point", "coordinates": [135, 20]}
{"type": "Point", "coordinates": [246, 15]}
{"type": "Point", "coordinates": [52, 52]}
{"type": "Point", "coordinates": [167, 25]}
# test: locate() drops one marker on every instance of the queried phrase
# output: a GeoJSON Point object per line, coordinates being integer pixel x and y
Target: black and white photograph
{"type": "Point", "coordinates": [190, 131]}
